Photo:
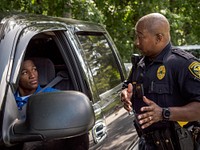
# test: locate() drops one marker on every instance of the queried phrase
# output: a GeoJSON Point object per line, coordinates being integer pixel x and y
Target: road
{"type": "Point", "coordinates": [121, 132]}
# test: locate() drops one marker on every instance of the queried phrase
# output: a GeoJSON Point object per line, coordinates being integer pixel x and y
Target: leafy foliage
{"type": "Point", "coordinates": [120, 16]}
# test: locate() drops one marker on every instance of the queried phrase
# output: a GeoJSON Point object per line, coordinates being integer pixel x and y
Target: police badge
{"type": "Point", "coordinates": [161, 72]}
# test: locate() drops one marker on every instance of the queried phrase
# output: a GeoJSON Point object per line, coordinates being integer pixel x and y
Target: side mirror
{"type": "Point", "coordinates": [55, 115]}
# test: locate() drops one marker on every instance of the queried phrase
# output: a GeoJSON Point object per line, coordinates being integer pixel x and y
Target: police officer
{"type": "Point", "coordinates": [164, 85]}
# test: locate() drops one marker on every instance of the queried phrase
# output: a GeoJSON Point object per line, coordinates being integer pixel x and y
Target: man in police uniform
{"type": "Point", "coordinates": [164, 85]}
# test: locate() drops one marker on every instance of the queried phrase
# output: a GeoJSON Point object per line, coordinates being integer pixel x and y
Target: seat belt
{"type": "Point", "coordinates": [56, 80]}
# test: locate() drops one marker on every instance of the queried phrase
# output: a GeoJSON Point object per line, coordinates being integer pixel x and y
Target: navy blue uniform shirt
{"type": "Point", "coordinates": [172, 79]}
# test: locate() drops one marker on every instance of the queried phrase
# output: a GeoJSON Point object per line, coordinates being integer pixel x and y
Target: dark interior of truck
{"type": "Point", "coordinates": [43, 50]}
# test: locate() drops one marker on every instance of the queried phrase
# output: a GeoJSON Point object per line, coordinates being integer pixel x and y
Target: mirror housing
{"type": "Point", "coordinates": [55, 115]}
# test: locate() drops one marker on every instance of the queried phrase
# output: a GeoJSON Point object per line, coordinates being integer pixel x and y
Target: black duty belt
{"type": "Point", "coordinates": [163, 139]}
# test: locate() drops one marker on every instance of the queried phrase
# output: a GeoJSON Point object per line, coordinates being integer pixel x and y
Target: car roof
{"type": "Point", "coordinates": [28, 19]}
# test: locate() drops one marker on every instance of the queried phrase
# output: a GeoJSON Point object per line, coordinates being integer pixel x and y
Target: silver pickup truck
{"type": "Point", "coordinates": [79, 58]}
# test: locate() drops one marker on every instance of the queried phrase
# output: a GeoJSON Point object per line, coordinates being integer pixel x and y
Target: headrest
{"type": "Point", "coordinates": [46, 70]}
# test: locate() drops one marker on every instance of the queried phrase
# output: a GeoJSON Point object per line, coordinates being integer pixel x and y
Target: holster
{"type": "Point", "coordinates": [184, 138]}
{"type": "Point", "coordinates": [194, 128]}
{"type": "Point", "coordinates": [196, 138]}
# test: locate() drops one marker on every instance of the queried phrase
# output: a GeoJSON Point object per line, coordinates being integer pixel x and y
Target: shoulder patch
{"type": "Point", "coordinates": [182, 53]}
{"type": "Point", "coordinates": [194, 68]}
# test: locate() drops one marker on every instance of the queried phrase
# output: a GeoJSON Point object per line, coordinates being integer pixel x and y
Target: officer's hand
{"type": "Point", "coordinates": [151, 113]}
{"type": "Point", "coordinates": [126, 95]}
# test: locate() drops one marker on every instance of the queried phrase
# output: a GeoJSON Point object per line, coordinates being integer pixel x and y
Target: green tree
{"type": "Point", "coordinates": [120, 16]}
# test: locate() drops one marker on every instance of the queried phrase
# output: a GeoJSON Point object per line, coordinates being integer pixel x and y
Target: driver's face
{"type": "Point", "coordinates": [29, 77]}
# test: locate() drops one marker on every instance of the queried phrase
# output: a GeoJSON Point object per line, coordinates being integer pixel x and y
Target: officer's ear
{"type": "Point", "coordinates": [159, 37]}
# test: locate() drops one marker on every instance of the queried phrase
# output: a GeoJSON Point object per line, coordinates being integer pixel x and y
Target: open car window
{"type": "Point", "coordinates": [41, 47]}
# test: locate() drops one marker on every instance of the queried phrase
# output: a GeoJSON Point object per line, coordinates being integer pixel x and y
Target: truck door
{"type": "Point", "coordinates": [9, 111]}
{"type": "Point", "coordinates": [105, 76]}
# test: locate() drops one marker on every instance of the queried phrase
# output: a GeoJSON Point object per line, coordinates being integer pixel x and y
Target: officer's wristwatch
{"type": "Point", "coordinates": [166, 114]}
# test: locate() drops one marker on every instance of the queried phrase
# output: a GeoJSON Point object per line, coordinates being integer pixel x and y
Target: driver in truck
{"type": "Point", "coordinates": [29, 85]}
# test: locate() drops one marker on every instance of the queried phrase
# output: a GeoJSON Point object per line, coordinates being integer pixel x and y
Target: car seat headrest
{"type": "Point", "coordinates": [46, 70]}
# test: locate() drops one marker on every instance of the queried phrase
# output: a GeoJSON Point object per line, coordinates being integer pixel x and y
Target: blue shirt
{"type": "Point", "coordinates": [21, 101]}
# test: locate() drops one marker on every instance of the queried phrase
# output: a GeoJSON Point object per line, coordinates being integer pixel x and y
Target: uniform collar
{"type": "Point", "coordinates": [22, 101]}
{"type": "Point", "coordinates": [159, 58]}
{"type": "Point", "coordinates": [38, 89]}
{"type": "Point", "coordinates": [18, 96]}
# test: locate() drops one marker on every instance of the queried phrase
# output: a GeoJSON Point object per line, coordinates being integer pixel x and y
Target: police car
{"type": "Point", "coordinates": [79, 58]}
